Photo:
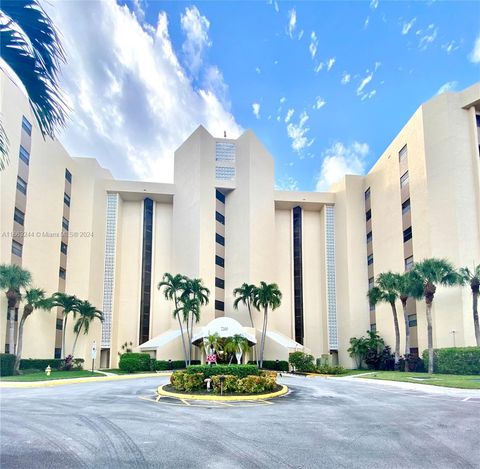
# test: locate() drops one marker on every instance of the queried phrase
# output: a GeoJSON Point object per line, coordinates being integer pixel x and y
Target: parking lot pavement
{"type": "Point", "coordinates": [321, 423]}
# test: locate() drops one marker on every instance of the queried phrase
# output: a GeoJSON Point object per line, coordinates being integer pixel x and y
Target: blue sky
{"type": "Point", "coordinates": [325, 85]}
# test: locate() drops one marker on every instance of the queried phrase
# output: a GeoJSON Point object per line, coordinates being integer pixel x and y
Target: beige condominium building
{"type": "Point", "coordinates": [78, 230]}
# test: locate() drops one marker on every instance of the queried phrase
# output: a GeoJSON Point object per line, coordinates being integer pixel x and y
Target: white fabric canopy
{"type": "Point", "coordinates": [224, 327]}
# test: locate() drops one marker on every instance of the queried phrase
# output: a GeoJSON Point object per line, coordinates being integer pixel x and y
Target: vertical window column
{"type": "Point", "coordinates": [370, 257]}
{"type": "Point", "coordinates": [219, 253]}
{"type": "Point", "coordinates": [144, 333]}
{"type": "Point", "coordinates": [298, 274]}
{"type": "Point", "coordinates": [331, 277]}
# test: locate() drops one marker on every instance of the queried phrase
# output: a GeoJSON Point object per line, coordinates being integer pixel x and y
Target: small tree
{"type": "Point", "coordinates": [69, 304]}
{"type": "Point", "coordinates": [472, 278]}
{"type": "Point", "coordinates": [358, 350]}
{"type": "Point", "coordinates": [87, 313]}
{"type": "Point", "coordinates": [245, 295]}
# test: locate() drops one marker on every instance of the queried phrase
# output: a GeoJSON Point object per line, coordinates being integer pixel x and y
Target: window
{"type": "Point", "coordinates": [66, 199]}
{"type": "Point", "coordinates": [225, 173]}
{"type": "Point", "coordinates": [225, 151]}
{"type": "Point", "coordinates": [407, 234]}
{"type": "Point", "coordinates": [21, 185]}
{"type": "Point", "coordinates": [372, 306]}
{"type": "Point", "coordinates": [370, 259]}
{"type": "Point", "coordinates": [412, 320]}
{"type": "Point", "coordinates": [403, 153]}
{"type": "Point", "coordinates": [65, 223]}
{"type": "Point", "coordinates": [63, 248]}
{"type": "Point", "coordinates": [404, 179]}
{"type": "Point", "coordinates": [370, 283]}
{"type": "Point", "coordinates": [219, 283]}
{"type": "Point", "coordinates": [17, 248]}
{"type": "Point", "coordinates": [62, 273]}
{"type": "Point", "coordinates": [59, 324]}
{"type": "Point", "coordinates": [220, 218]}
{"type": "Point", "coordinates": [406, 207]}
{"type": "Point", "coordinates": [219, 196]}
{"type": "Point", "coordinates": [477, 117]}
{"type": "Point", "coordinates": [24, 155]}
{"type": "Point", "coordinates": [26, 125]}
{"type": "Point", "coordinates": [298, 274]}
{"type": "Point", "coordinates": [414, 352]}
{"type": "Point", "coordinates": [409, 263]}
{"type": "Point", "coordinates": [68, 176]}
{"type": "Point", "coordinates": [369, 237]}
{"type": "Point", "coordinates": [19, 216]}
{"type": "Point", "coordinates": [219, 239]}
{"type": "Point", "coordinates": [58, 353]}
{"type": "Point", "coordinates": [373, 327]}
{"type": "Point", "coordinates": [219, 305]}
{"type": "Point", "coordinates": [219, 261]}
{"type": "Point", "coordinates": [368, 215]}
{"type": "Point", "coordinates": [367, 194]}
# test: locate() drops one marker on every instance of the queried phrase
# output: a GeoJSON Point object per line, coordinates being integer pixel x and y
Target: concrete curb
{"type": "Point", "coordinates": [202, 397]}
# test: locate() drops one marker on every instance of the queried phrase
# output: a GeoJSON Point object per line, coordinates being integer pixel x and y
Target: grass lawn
{"type": "Point", "coordinates": [449, 381]}
{"type": "Point", "coordinates": [41, 376]}
{"type": "Point", "coordinates": [118, 371]}
{"type": "Point", "coordinates": [353, 372]}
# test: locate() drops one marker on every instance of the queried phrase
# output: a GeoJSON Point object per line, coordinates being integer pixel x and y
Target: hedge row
{"type": "Point", "coordinates": [455, 361]}
{"type": "Point", "coordinates": [7, 364]}
{"type": "Point", "coordinates": [274, 365]}
{"type": "Point", "coordinates": [163, 365]}
{"type": "Point", "coordinates": [133, 362]}
{"type": "Point", "coordinates": [241, 371]}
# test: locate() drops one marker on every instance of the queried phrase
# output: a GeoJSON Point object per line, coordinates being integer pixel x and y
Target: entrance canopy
{"type": "Point", "coordinates": [224, 327]}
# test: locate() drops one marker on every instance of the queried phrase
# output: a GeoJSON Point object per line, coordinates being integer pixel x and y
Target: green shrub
{"type": "Point", "coordinates": [177, 380]}
{"type": "Point", "coordinates": [165, 365]}
{"type": "Point", "coordinates": [255, 384]}
{"type": "Point", "coordinates": [183, 381]}
{"type": "Point", "coordinates": [331, 369]}
{"type": "Point", "coordinates": [302, 361]}
{"type": "Point", "coordinates": [455, 361]}
{"type": "Point", "coordinates": [78, 363]}
{"type": "Point", "coordinates": [42, 363]}
{"type": "Point", "coordinates": [132, 362]}
{"type": "Point", "coordinates": [7, 364]}
{"type": "Point", "coordinates": [211, 370]}
{"type": "Point", "coordinates": [275, 365]}
{"type": "Point", "coordinates": [230, 383]}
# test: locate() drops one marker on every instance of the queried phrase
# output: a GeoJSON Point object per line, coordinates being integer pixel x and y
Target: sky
{"type": "Point", "coordinates": [325, 86]}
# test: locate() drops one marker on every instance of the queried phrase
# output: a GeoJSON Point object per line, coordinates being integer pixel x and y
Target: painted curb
{"type": "Point", "coordinates": [203, 397]}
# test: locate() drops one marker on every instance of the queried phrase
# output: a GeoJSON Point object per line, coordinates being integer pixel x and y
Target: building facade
{"type": "Point", "coordinates": [78, 230]}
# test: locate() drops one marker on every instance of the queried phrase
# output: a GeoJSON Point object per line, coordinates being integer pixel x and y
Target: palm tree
{"type": "Point", "coordinates": [212, 341]}
{"type": "Point", "coordinates": [472, 278]}
{"type": "Point", "coordinates": [384, 291]}
{"type": "Point", "coordinates": [69, 304]}
{"type": "Point", "coordinates": [266, 296]}
{"type": "Point", "coordinates": [173, 286]}
{"type": "Point", "coordinates": [244, 294]}
{"type": "Point", "coordinates": [12, 279]}
{"type": "Point", "coordinates": [34, 299]}
{"type": "Point", "coordinates": [194, 290]}
{"type": "Point", "coordinates": [87, 313]}
{"type": "Point", "coordinates": [407, 286]}
{"type": "Point", "coordinates": [430, 273]}
{"type": "Point", "coordinates": [30, 45]}
{"type": "Point", "coordinates": [189, 308]}
{"type": "Point", "coordinates": [237, 345]}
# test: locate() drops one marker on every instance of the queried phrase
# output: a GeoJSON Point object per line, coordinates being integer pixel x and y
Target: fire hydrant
{"type": "Point", "coordinates": [48, 370]}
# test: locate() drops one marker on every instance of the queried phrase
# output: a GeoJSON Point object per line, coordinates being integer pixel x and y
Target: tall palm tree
{"type": "Point", "coordinates": [34, 298]}
{"type": "Point", "coordinates": [236, 345]}
{"type": "Point", "coordinates": [430, 273]}
{"type": "Point", "coordinates": [472, 278]}
{"type": "Point", "coordinates": [384, 291]}
{"type": "Point", "coordinates": [30, 45]}
{"type": "Point", "coordinates": [189, 309]}
{"type": "Point", "coordinates": [173, 286]}
{"type": "Point", "coordinates": [194, 290]}
{"type": "Point", "coordinates": [87, 313]}
{"type": "Point", "coordinates": [12, 279]}
{"type": "Point", "coordinates": [266, 296]}
{"type": "Point", "coordinates": [407, 286]}
{"type": "Point", "coordinates": [69, 304]}
{"type": "Point", "coordinates": [244, 294]}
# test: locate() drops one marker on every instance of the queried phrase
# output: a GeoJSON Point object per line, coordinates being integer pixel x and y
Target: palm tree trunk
{"type": "Point", "coordinates": [63, 334]}
{"type": "Point", "coordinates": [19, 344]}
{"type": "Point", "coordinates": [75, 342]}
{"type": "Point", "coordinates": [11, 330]}
{"type": "Point", "coordinates": [429, 337]}
{"type": "Point", "coordinates": [407, 333]}
{"type": "Point", "coordinates": [397, 334]}
{"type": "Point", "coordinates": [190, 341]}
{"type": "Point", "coordinates": [264, 333]}
{"type": "Point", "coordinates": [476, 324]}
{"type": "Point", "coordinates": [253, 325]}
{"type": "Point", "coordinates": [181, 330]}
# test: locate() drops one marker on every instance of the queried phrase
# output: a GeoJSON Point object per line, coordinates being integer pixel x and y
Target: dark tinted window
{"type": "Point", "coordinates": [370, 259]}
{"type": "Point", "coordinates": [368, 215]}
{"type": "Point", "coordinates": [219, 196]}
{"type": "Point", "coordinates": [26, 125]}
{"type": "Point", "coordinates": [219, 282]}
{"type": "Point", "coordinates": [63, 247]}
{"type": "Point", "coordinates": [66, 199]}
{"type": "Point", "coordinates": [17, 248]}
{"type": "Point", "coordinates": [58, 352]}
{"type": "Point", "coordinates": [65, 223]}
{"type": "Point", "coordinates": [219, 239]}
{"type": "Point", "coordinates": [146, 270]}
{"type": "Point", "coordinates": [21, 185]}
{"type": "Point", "coordinates": [24, 155]}
{"type": "Point", "coordinates": [407, 234]}
{"type": "Point", "coordinates": [220, 218]}
{"type": "Point", "coordinates": [62, 273]}
{"type": "Point", "coordinates": [219, 261]}
{"type": "Point", "coordinates": [406, 207]}
{"type": "Point", "coordinates": [369, 237]}
{"type": "Point", "coordinates": [298, 274]}
{"type": "Point", "coordinates": [68, 175]}
{"type": "Point", "coordinates": [19, 216]}
{"type": "Point", "coordinates": [59, 324]}
{"type": "Point", "coordinates": [219, 305]}
{"type": "Point", "coordinates": [367, 194]}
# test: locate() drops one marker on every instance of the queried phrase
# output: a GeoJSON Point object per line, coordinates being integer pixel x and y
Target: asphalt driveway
{"type": "Point", "coordinates": [322, 423]}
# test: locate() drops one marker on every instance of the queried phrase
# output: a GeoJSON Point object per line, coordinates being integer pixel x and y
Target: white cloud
{"type": "Point", "coordinates": [408, 26]}
{"type": "Point", "coordinates": [298, 133]}
{"type": "Point", "coordinates": [319, 103]}
{"type": "Point", "coordinates": [474, 56]}
{"type": "Point", "coordinates": [369, 95]}
{"type": "Point", "coordinates": [374, 4]}
{"type": "Point", "coordinates": [287, 183]}
{"type": "Point", "coordinates": [292, 22]}
{"type": "Point", "coordinates": [133, 102]}
{"type": "Point", "coordinates": [330, 63]}
{"type": "Point", "coordinates": [257, 69]}
{"type": "Point", "coordinates": [256, 110]}
{"type": "Point", "coordinates": [300, 34]}
{"type": "Point", "coordinates": [450, 47]}
{"type": "Point", "coordinates": [367, 21]}
{"type": "Point", "coordinates": [427, 36]}
{"type": "Point", "coordinates": [341, 159]}
{"type": "Point", "coordinates": [377, 65]}
{"type": "Point", "coordinates": [319, 67]}
{"type": "Point", "coordinates": [449, 86]}
{"type": "Point", "coordinates": [346, 78]}
{"type": "Point", "coordinates": [195, 26]}
{"type": "Point", "coordinates": [313, 44]}
{"type": "Point", "coordinates": [364, 83]}
{"type": "Point", "coordinates": [282, 99]}
{"type": "Point", "coordinates": [275, 5]}
{"type": "Point", "coordinates": [289, 115]}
